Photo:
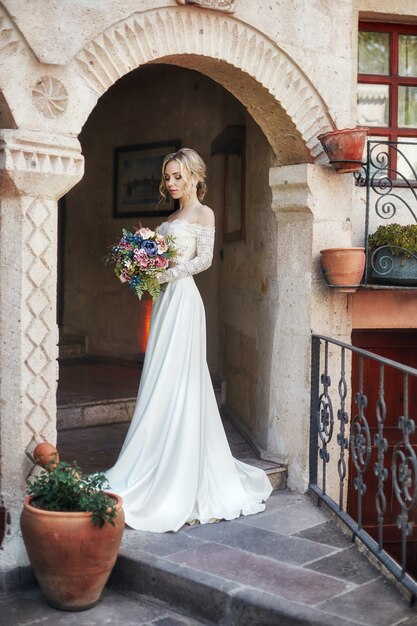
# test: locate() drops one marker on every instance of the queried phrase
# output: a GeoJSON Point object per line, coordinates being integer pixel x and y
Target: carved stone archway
{"type": "Point", "coordinates": [274, 89]}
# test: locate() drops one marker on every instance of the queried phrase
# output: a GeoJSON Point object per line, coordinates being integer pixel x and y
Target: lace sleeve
{"type": "Point", "coordinates": [201, 262]}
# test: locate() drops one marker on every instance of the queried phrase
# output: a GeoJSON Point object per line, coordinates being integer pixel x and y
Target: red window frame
{"type": "Point", "coordinates": [393, 80]}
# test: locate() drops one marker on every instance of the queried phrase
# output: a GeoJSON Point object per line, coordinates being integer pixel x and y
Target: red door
{"type": "Point", "coordinates": [401, 347]}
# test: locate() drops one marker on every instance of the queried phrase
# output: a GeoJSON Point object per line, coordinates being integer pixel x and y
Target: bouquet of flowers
{"type": "Point", "coordinates": [138, 258]}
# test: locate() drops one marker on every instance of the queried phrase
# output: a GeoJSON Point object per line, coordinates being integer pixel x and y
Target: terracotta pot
{"type": "Point", "coordinates": [71, 557]}
{"type": "Point", "coordinates": [345, 148]}
{"type": "Point", "coordinates": [44, 453]}
{"type": "Point", "coordinates": [343, 267]}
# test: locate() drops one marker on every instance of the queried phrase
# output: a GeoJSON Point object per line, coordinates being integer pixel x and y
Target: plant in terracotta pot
{"type": "Point", "coordinates": [343, 267]}
{"type": "Point", "coordinates": [72, 529]}
{"type": "Point", "coordinates": [393, 254]}
{"type": "Point", "coordinates": [345, 148]}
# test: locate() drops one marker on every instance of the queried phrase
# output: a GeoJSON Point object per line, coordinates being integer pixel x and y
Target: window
{"type": "Point", "coordinates": [387, 87]}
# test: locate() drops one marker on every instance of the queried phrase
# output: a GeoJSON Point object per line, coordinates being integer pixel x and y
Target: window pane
{"type": "Point", "coordinates": [407, 55]}
{"type": "Point", "coordinates": [373, 53]}
{"type": "Point", "coordinates": [379, 157]}
{"type": "Point", "coordinates": [373, 104]}
{"type": "Point", "coordinates": [407, 169]}
{"type": "Point", "coordinates": [407, 107]}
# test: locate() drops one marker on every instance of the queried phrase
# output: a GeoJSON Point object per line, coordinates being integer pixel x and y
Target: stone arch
{"type": "Point", "coordinates": [275, 90]}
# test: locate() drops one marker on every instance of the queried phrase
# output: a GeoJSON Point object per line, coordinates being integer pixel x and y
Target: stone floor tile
{"type": "Point", "coordinates": [161, 544]}
{"type": "Point", "coordinates": [328, 533]}
{"type": "Point", "coordinates": [194, 590]}
{"type": "Point", "coordinates": [348, 564]}
{"type": "Point", "coordinates": [261, 542]}
{"type": "Point", "coordinates": [29, 608]}
{"type": "Point", "coordinates": [377, 603]}
{"type": "Point", "coordinates": [251, 607]}
{"type": "Point", "coordinates": [290, 582]}
{"type": "Point", "coordinates": [289, 519]}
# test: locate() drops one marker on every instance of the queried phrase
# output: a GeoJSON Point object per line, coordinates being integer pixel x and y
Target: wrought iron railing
{"type": "Point", "coordinates": [350, 451]}
{"type": "Point", "coordinates": [389, 175]}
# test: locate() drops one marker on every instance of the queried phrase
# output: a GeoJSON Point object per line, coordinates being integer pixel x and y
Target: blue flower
{"type": "Point", "coordinates": [150, 247]}
{"type": "Point", "coordinates": [134, 281]}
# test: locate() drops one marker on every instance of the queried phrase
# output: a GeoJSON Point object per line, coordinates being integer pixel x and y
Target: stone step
{"type": "Point", "coordinates": [95, 413]}
{"type": "Point", "coordinates": [286, 566]}
{"type": "Point", "coordinates": [97, 448]}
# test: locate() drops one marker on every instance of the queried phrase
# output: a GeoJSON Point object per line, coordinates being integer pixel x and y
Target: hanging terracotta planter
{"type": "Point", "coordinates": [71, 557]}
{"type": "Point", "coordinates": [343, 267]}
{"type": "Point", "coordinates": [345, 148]}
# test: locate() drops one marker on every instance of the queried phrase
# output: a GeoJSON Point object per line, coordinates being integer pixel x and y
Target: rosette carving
{"type": "Point", "coordinates": [50, 96]}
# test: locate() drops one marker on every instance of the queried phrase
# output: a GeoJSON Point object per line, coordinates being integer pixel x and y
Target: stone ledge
{"type": "Point", "coordinates": [211, 597]}
{"type": "Point", "coordinates": [95, 413]}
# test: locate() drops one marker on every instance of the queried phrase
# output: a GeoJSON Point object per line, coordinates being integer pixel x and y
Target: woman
{"type": "Point", "coordinates": [175, 466]}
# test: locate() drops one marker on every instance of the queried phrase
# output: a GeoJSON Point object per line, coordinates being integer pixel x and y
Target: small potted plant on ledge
{"type": "Point", "coordinates": [345, 148]}
{"type": "Point", "coordinates": [343, 267]}
{"type": "Point", "coordinates": [72, 531]}
{"type": "Point", "coordinates": [393, 255]}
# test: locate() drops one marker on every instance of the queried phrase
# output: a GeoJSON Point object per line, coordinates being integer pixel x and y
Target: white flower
{"type": "Point", "coordinates": [146, 233]}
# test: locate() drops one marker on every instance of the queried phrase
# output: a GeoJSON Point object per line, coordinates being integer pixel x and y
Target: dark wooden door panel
{"type": "Point", "coordinates": [401, 347]}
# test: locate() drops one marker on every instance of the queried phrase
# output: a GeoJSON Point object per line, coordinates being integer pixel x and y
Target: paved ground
{"type": "Point", "coordinates": [29, 609]}
{"type": "Point", "coordinates": [97, 447]}
{"type": "Point", "coordinates": [290, 565]}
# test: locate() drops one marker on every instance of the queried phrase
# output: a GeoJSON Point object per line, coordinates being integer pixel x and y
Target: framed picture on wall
{"type": "Point", "coordinates": [231, 142]}
{"type": "Point", "coordinates": [137, 175]}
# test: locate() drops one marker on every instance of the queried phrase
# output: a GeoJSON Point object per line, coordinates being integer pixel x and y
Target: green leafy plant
{"type": "Point", "coordinates": [395, 236]}
{"type": "Point", "coordinates": [64, 487]}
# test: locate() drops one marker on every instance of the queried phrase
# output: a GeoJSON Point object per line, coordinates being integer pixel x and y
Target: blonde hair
{"type": "Point", "coordinates": [191, 165]}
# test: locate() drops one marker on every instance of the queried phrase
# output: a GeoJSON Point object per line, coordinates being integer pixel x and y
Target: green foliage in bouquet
{"type": "Point", "coordinates": [64, 487]}
{"type": "Point", "coordinates": [396, 236]}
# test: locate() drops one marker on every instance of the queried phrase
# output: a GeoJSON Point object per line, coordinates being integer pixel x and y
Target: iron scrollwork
{"type": "Point", "coordinates": [380, 470]}
{"type": "Point", "coordinates": [404, 474]}
{"type": "Point", "coordinates": [360, 442]}
{"type": "Point", "coordinates": [325, 417]}
{"type": "Point", "coordinates": [343, 418]}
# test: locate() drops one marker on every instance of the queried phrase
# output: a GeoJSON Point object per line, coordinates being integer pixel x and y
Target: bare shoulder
{"type": "Point", "coordinates": [206, 216]}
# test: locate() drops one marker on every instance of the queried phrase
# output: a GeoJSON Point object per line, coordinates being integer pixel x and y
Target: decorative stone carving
{"type": "Point", "coordinates": [50, 96]}
{"type": "Point", "coordinates": [161, 33]}
{"type": "Point", "coordinates": [10, 39]}
{"type": "Point", "coordinates": [36, 169]}
{"type": "Point", "coordinates": [217, 5]}
{"type": "Point", "coordinates": [27, 157]}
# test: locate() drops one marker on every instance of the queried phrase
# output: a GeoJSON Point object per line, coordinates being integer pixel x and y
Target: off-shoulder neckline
{"type": "Point", "coordinates": [178, 219]}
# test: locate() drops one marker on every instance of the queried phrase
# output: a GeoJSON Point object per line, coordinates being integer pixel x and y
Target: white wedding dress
{"type": "Point", "coordinates": [175, 465]}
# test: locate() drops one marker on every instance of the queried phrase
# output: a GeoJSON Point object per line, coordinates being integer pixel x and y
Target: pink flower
{"type": "Point", "coordinates": [161, 261]}
{"type": "Point", "coordinates": [146, 233]}
{"type": "Point", "coordinates": [142, 258]}
{"type": "Point", "coordinates": [124, 277]}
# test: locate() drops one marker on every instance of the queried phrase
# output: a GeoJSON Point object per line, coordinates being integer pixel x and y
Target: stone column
{"type": "Point", "coordinates": [312, 205]}
{"type": "Point", "coordinates": [36, 170]}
